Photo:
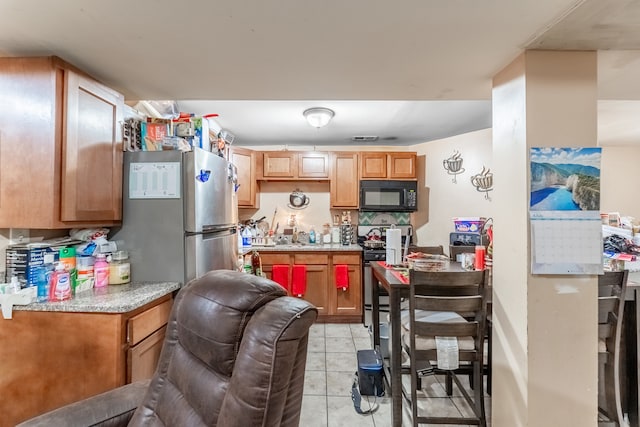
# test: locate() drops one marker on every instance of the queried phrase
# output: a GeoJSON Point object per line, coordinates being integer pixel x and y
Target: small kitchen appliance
{"type": "Point", "coordinates": [388, 196]}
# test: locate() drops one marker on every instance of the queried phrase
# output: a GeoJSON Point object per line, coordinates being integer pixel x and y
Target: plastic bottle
{"type": "Point", "coordinates": [42, 283]}
{"type": "Point", "coordinates": [246, 238]}
{"type": "Point", "coordinates": [101, 271]}
{"type": "Point", "coordinates": [312, 236]}
{"type": "Point", "coordinates": [60, 284]}
{"type": "Point", "coordinates": [240, 240]}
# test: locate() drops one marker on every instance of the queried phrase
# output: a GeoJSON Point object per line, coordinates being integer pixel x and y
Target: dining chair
{"type": "Point", "coordinates": [612, 286]}
{"type": "Point", "coordinates": [447, 321]}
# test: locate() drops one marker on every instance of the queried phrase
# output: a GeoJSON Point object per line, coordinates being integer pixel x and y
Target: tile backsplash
{"type": "Point", "coordinates": [397, 218]}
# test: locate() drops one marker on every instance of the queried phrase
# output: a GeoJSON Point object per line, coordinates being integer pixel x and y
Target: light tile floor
{"type": "Point", "coordinates": [331, 365]}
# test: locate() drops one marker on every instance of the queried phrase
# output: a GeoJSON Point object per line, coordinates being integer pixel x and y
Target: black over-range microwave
{"type": "Point", "coordinates": [389, 196]}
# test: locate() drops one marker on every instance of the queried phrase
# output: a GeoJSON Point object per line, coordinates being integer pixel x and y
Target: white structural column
{"type": "Point", "coordinates": [544, 326]}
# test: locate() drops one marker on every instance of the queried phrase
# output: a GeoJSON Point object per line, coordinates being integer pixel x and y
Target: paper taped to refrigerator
{"type": "Point", "coordinates": [154, 180]}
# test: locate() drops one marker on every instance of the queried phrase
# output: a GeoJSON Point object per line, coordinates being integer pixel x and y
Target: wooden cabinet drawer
{"type": "Point", "coordinates": [272, 259]}
{"type": "Point", "coordinates": [142, 359]}
{"type": "Point", "coordinates": [311, 259]}
{"type": "Point", "coordinates": [144, 324]}
{"type": "Point", "coordinates": [346, 259]}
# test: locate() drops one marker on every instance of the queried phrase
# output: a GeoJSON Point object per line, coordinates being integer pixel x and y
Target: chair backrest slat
{"type": "Point", "coordinates": [443, 329]}
{"type": "Point", "coordinates": [606, 305]}
{"type": "Point", "coordinates": [457, 304]}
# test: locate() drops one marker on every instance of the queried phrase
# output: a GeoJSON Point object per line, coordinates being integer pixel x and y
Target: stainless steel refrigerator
{"type": "Point", "coordinates": [180, 213]}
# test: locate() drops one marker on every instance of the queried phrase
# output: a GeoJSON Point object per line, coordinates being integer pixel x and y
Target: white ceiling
{"type": "Point", "coordinates": [408, 72]}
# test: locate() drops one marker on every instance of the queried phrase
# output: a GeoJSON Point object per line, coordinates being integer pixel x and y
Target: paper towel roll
{"type": "Point", "coordinates": [394, 246]}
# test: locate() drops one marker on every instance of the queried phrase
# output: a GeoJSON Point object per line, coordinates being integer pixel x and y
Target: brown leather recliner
{"type": "Point", "coordinates": [234, 355]}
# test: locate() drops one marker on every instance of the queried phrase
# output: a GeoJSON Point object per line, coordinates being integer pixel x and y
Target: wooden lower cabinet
{"type": "Point", "coordinates": [317, 279]}
{"type": "Point", "coordinates": [334, 305]}
{"type": "Point", "coordinates": [51, 359]}
{"type": "Point", "coordinates": [348, 302]}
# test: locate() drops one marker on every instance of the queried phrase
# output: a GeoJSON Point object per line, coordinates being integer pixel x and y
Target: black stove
{"type": "Point", "coordinates": [378, 232]}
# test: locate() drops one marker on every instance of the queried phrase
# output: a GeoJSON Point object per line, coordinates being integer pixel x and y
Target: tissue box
{"type": "Point", "coordinates": [469, 224]}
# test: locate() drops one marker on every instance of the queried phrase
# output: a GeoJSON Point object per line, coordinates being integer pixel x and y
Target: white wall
{"type": "Point", "coordinates": [439, 198]}
{"type": "Point", "coordinates": [617, 181]}
{"type": "Point", "coordinates": [275, 195]}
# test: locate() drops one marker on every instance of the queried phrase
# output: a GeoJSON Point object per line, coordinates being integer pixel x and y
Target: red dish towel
{"type": "Point", "coordinates": [280, 275]}
{"type": "Point", "coordinates": [342, 277]}
{"type": "Point", "coordinates": [299, 282]}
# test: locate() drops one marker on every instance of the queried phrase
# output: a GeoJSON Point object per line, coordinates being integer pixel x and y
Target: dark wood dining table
{"type": "Point", "coordinates": [398, 289]}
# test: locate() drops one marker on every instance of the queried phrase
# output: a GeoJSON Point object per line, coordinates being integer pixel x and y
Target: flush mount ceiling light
{"type": "Point", "coordinates": [317, 116]}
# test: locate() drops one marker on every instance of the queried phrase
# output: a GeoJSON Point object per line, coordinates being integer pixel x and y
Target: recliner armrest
{"type": "Point", "coordinates": [112, 408]}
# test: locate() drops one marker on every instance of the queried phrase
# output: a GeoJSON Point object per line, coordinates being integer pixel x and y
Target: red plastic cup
{"type": "Point", "coordinates": [480, 253]}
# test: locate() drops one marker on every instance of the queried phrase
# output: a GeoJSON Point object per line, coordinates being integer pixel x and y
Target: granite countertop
{"type": "Point", "coordinates": [112, 299]}
{"type": "Point", "coordinates": [306, 248]}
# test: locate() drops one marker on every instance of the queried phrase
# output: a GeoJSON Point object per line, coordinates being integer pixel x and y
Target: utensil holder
{"type": "Point", "coordinates": [346, 234]}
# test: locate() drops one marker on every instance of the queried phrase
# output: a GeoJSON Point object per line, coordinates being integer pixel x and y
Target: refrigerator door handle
{"type": "Point", "coordinates": [218, 228]}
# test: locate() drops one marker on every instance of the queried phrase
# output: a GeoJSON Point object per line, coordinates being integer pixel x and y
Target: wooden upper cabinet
{"type": "Point", "coordinates": [279, 164]}
{"type": "Point", "coordinates": [313, 165]}
{"type": "Point", "coordinates": [373, 165]}
{"type": "Point", "coordinates": [295, 165]}
{"type": "Point", "coordinates": [244, 160]}
{"type": "Point", "coordinates": [344, 188]}
{"type": "Point", "coordinates": [397, 165]}
{"type": "Point", "coordinates": [91, 151]}
{"type": "Point", "coordinates": [402, 165]}
{"type": "Point", "coordinates": [60, 148]}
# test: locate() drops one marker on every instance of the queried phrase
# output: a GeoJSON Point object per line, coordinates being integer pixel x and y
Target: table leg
{"type": "Point", "coordinates": [634, 406]}
{"type": "Point", "coordinates": [396, 357]}
{"type": "Point", "coordinates": [375, 310]}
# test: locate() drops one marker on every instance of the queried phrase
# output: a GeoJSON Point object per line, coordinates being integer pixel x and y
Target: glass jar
{"type": "Point", "coordinates": [119, 268]}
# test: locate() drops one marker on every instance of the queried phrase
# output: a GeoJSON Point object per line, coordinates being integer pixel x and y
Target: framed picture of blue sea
{"type": "Point", "coordinates": [565, 179]}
